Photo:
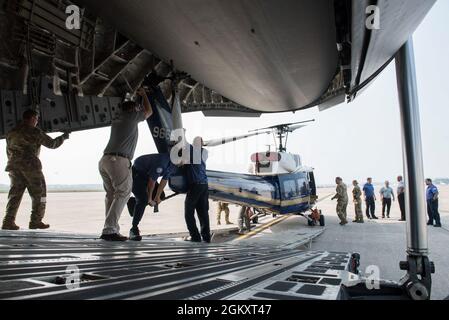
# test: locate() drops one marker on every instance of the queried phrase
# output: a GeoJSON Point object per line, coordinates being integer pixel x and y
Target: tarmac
{"type": "Point", "coordinates": [84, 212]}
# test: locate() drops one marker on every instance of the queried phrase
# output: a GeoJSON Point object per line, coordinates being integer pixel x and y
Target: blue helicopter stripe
{"type": "Point", "coordinates": [283, 194]}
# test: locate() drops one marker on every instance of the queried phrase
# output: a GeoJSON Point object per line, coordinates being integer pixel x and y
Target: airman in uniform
{"type": "Point", "coordinates": [223, 206]}
{"type": "Point", "coordinates": [23, 145]}
{"type": "Point", "coordinates": [342, 200]}
{"type": "Point", "coordinates": [357, 198]}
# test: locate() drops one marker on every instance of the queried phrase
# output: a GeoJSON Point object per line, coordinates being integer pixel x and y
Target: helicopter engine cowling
{"type": "Point", "coordinates": [269, 163]}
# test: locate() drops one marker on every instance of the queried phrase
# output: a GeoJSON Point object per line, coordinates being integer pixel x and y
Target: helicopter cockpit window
{"type": "Point", "coordinates": [302, 183]}
{"type": "Point", "coordinates": [289, 189]}
{"type": "Point", "coordinates": [303, 187]}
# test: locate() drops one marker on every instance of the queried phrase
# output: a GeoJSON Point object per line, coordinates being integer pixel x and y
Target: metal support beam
{"type": "Point", "coordinates": [419, 268]}
{"type": "Point", "coordinates": [412, 151]}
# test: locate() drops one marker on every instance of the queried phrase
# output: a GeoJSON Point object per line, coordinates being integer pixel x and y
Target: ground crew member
{"type": "Point", "coordinates": [370, 199]}
{"type": "Point", "coordinates": [432, 204]}
{"type": "Point", "coordinates": [342, 200]}
{"type": "Point", "coordinates": [244, 220]}
{"type": "Point", "coordinates": [357, 198]}
{"type": "Point", "coordinates": [197, 197]}
{"type": "Point", "coordinates": [115, 165]}
{"type": "Point", "coordinates": [223, 206]}
{"type": "Point", "coordinates": [23, 145]}
{"type": "Point", "coordinates": [146, 170]}
{"type": "Point", "coordinates": [386, 195]}
{"type": "Point", "coordinates": [401, 197]}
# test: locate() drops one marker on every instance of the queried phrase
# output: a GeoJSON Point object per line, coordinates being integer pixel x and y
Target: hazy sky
{"type": "Point", "coordinates": [353, 140]}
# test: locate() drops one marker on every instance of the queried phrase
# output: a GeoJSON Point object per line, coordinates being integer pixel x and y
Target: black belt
{"type": "Point", "coordinates": [117, 154]}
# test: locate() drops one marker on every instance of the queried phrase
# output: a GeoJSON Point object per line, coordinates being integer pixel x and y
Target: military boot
{"type": "Point", "coordinates": [342, 218]}
{"type": "Point", "coordinates": [9, 225]}
{"type": "Point", "coordinates": [38, 225]}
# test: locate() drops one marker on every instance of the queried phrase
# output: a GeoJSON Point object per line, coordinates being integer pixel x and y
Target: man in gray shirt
{"type": "Point", "coordinates": [115, 165]}
{"type": "Point", "coordinates": [386, 195]}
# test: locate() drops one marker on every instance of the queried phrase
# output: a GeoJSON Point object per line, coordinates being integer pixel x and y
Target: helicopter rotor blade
{"type": "Point", "coordinates": [221, 141]}
{"type": "Point", "coordinates": [283, 125]}
{"type": "Point", "coordinates": [298, 126]}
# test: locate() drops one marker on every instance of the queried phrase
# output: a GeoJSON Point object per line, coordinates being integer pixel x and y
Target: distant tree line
{"type": "Point", "coordinates": [441, 181]}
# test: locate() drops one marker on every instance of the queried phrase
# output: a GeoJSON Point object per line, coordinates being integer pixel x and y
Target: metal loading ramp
{"type": "Point", "coordinates": [39, 265]}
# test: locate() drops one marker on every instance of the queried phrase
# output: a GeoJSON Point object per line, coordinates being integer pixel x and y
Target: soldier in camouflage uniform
{"type": "Point", "coordinates": [342, 200]}
{"type": "Point", "coordinates": [223, 206]}
{"type": "Point", "coordinates": [357, 197]}
{"type": "Point", "coordinates": [25, 169]}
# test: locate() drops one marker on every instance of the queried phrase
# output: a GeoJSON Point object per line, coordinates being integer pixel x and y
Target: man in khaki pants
{"type": "Point", "coordinates": [115, 165]}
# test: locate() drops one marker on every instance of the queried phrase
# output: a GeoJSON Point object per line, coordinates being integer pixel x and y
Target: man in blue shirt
{"type": "Point", "coordinates": [432, 204]}
{"type": "Point", "coordinates": [197, 197]}
{"type": "Point", "coordinates": [146, 170]}
{"type": "Point", "coordinates": [370, 199]}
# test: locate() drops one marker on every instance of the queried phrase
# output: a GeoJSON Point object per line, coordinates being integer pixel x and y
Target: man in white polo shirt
{"type": "Point", "coordinates": [386, 195]}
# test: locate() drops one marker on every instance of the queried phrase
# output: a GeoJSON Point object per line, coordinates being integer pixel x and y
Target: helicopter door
{"type": "Point", "coordinates": [312, 185]}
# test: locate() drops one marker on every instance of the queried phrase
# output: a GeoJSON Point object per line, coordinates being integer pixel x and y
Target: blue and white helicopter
{"type": "Point", "coordinates": [278, 182]}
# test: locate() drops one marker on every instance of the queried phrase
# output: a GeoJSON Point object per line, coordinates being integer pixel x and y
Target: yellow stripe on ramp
{"type": "Point", "coordinates": [264, 227]}
{"type": "Point", "coordinates": [274, 222]}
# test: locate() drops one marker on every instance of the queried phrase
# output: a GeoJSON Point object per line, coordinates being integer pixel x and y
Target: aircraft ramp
{"type": "Point", "coordinates": [40, 265]}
